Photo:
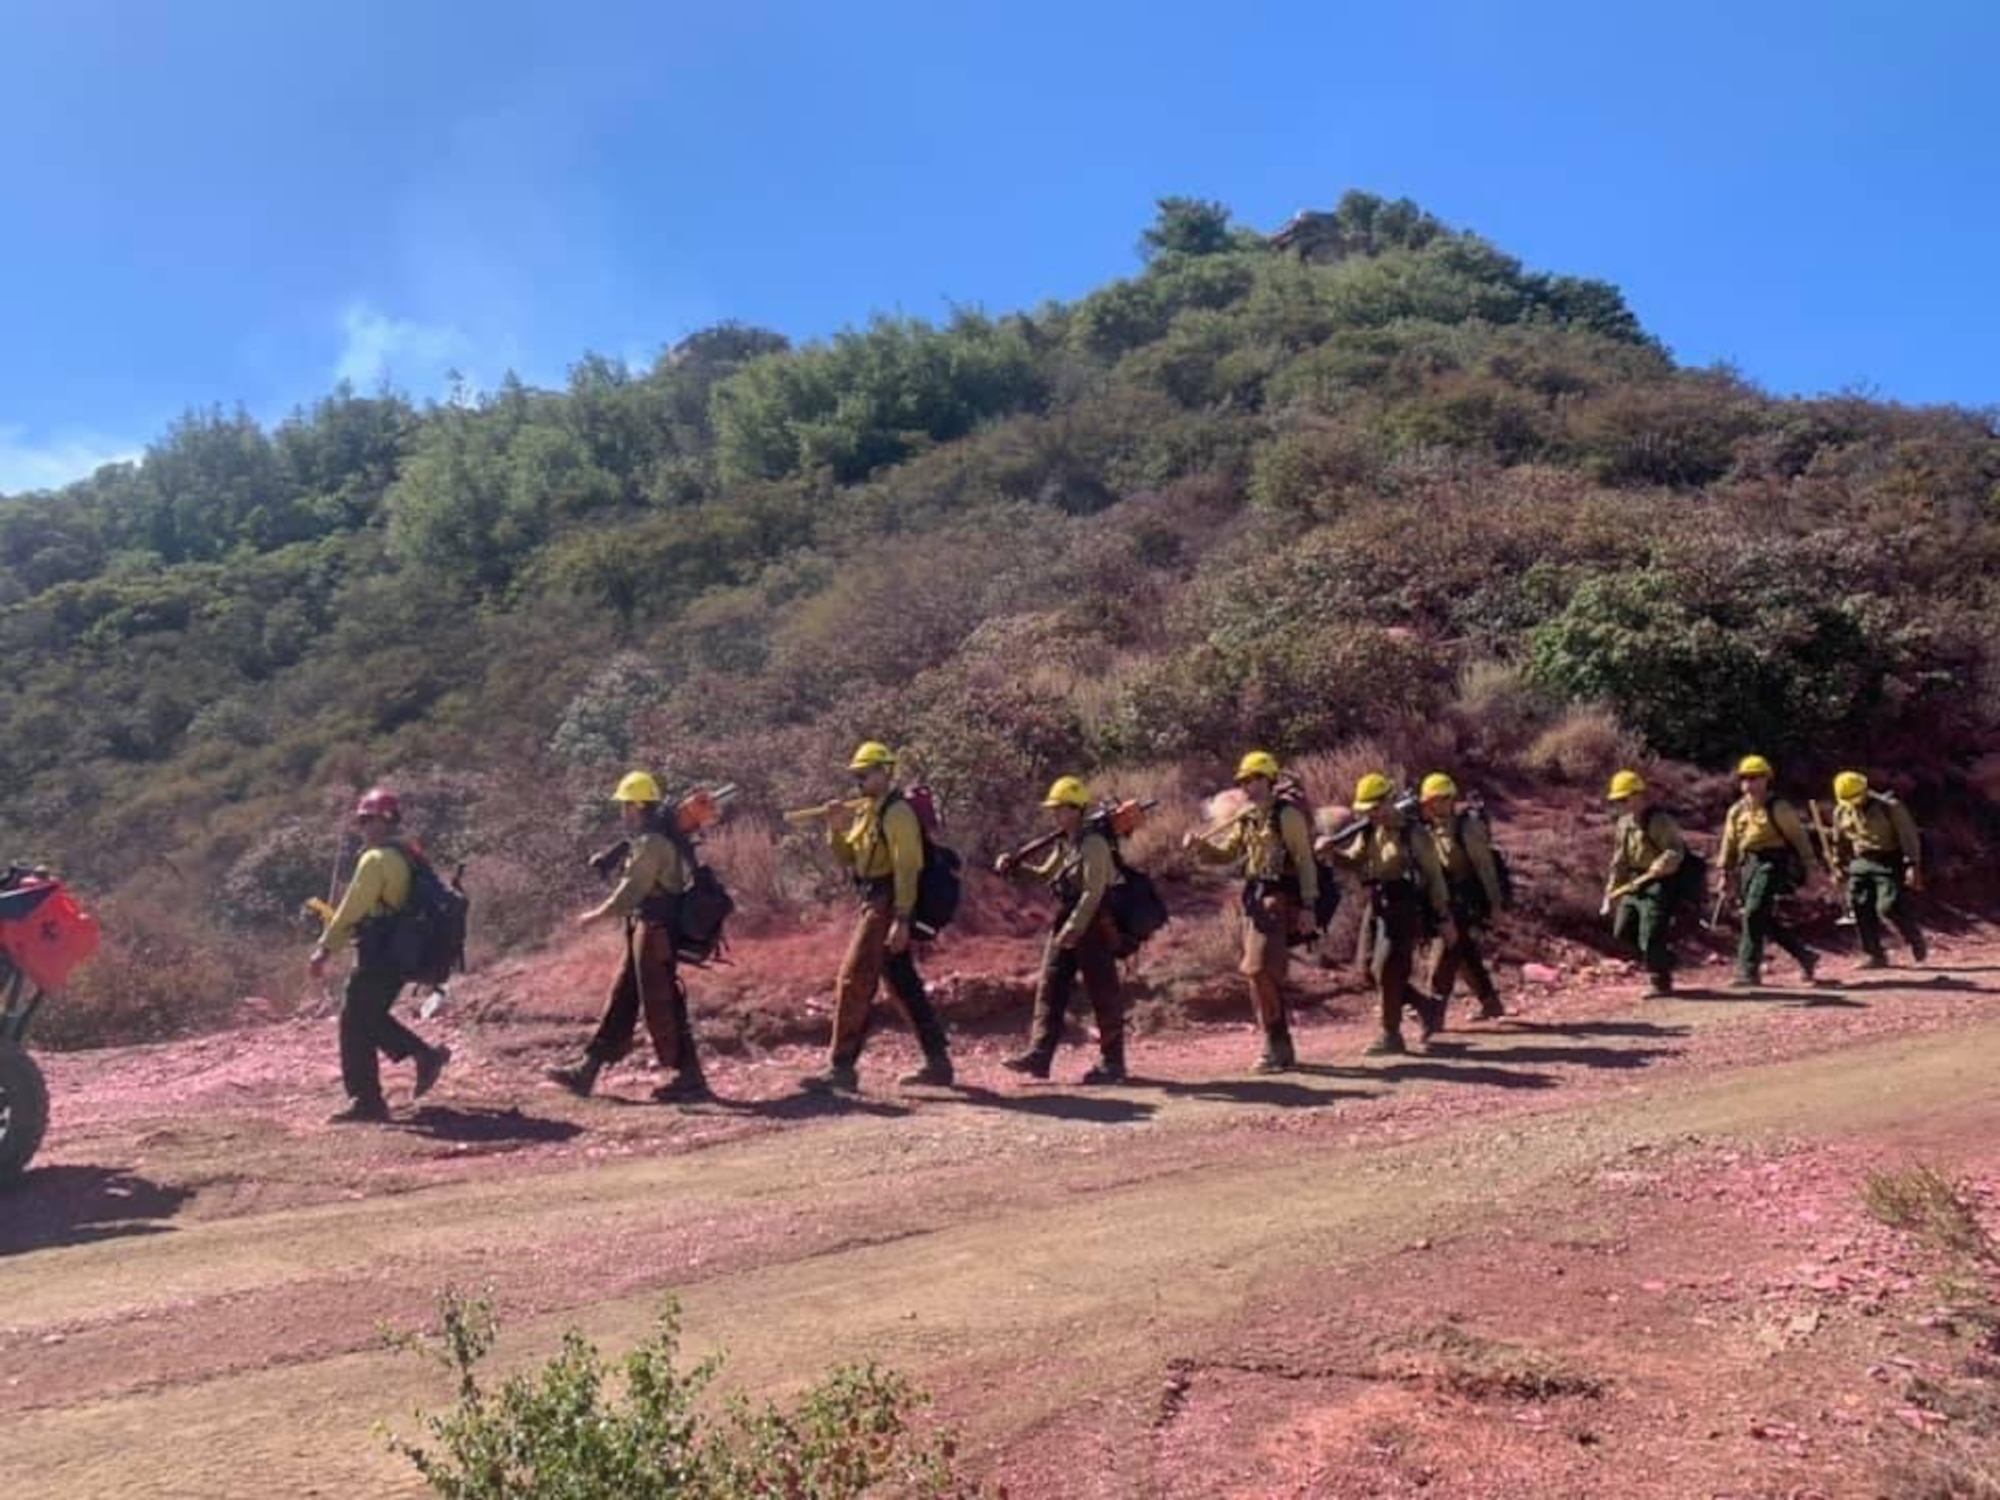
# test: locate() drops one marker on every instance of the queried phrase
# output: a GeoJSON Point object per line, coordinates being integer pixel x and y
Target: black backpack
{"type": "Point", "coordinates": [941, 882]}
{"type": "Point", "coordinates": [1688, 885]}
{"type": "Point", "coordinates": [1138, 911]}
{"type": "Point", "coordinates": [1328, 901]}
{"type": "Point", "coordinates": [424, 941]}
{"type": "Point", "coordinates": [1501, 868]}
{"type": "Point", "coordinates": [702, 910]}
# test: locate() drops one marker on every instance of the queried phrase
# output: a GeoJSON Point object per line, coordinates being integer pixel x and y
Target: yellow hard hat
{"type": "Point", "coordinates": [1850, 786]}
{"type": "Point", "coordinates": [1067, 791]}
{"type": "Point", "coordinates": [1371, 791]}
{"type": "Point", "coordinates": [1754, 765]}
{"type": "Point", "coordinates": [1258, 763]}
{"type": "Point", "coordinates": [638, 786]}
{"type": "Point", "coordinates": [1625, 784]}
{"type": "Point", "coordinates": [1437, 784]}
{"type": "Point", "coordinates": [873, 755]}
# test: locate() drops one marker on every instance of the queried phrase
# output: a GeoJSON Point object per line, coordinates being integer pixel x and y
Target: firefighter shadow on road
{"type": "Point", "coordinates": [1935, 982]}
{"type": "Point", "coordinates": [1274, 1092]}
{"type": "Point", "coordinates": [78, 1205]}
{"type": "Point", "coordinates": [1442, 1067]}
{"type": "Point", "coordinates": [1573, 1057]}
{"type": "Point", "coordinates": [487, 1127]}
{"type": "Point", "coordinates": [1648, 1029]}
{"type": "Point", "coordinates": [1088, 1109]}
{"type": "Point", "coordinates": [804, 1104]}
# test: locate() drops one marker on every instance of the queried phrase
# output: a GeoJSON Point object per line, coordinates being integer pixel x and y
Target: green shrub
{"type": "Point", "coordinates": [580, 1428]}
{"type": "Point", "coordinates": [1680, 433]}
{"type": "Point", "coordinates": [1314, 470]}
{"type": "Point", "coordinates": [1782, 644]}
{"type": "Point", "coordinates": [871, 397]}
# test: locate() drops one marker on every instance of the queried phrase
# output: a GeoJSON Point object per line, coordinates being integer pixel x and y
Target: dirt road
{"type": "Point", "coordinates": [1201, 1284]}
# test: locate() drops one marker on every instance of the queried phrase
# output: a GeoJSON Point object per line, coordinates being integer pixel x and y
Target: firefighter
{"type": "Point", "coordinates": [1472, 874]}
{"type": "Point", "coordinates": [365, 917]}
{"type": "Point", "coordinates": [1395, 857]}
{"type": "Point", "coordinates": [1878, 842]}
{"type": "Point", "coordinates": [1764, 839]}
{"type": "Point", "coordinates": [1081, 867]}
{"type": "Point", "coordinates": [654, 878]}
{"type": "Point", "coordinates": [1272, 840]}
{"type": "Point", "coordinates": [1641, 893]}
{"type": "Point", "coordinates": [882, 846]}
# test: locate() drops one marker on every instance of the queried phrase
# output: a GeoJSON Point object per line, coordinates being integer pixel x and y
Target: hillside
{"type": "Point", "coordinates": [1369, 491]}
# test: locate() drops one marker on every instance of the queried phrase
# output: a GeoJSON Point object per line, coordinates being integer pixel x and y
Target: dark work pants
{"type": "Point", "coordinates": [1463, 956]}
{"type": "Point", "coordinates": [1646, 920]}
{"type": "Point", "coordinates": [648, 983]}
{"type": "Point", "coordinates": [1397, 926]}
{"type": "Point", "coordinates": [1875, 892]}
{"type": "Point", "coordinates": [867, 964]}
{"type": "Point", "coordinates": [1092, 961]}
{"type": "Point", "coordinates": [368, 1028]}
{"type": "Point", "coordinates": [1765, 879]}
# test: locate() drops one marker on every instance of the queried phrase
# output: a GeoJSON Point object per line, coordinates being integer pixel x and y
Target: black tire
{"type": "Point", "coordinates": [24, 1111]}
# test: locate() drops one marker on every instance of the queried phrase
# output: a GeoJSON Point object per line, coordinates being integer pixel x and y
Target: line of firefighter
{"type": "Point", "coordinates": [1428, 866]}
{"type": "Point", "coordinates": [1873, 844]}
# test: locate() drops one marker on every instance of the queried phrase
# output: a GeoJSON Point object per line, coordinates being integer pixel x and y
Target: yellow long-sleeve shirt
{"type": "Point", "coordinates": [1880, 829]}
{"type": "Point", "coordinates": [1085, 866]}
{"type": "Point", "coordinates": [381, 885]}
{"type": "Point", "coordinates": [653, 867]}
{"type": "Point", "coordinates": [1268, 849]}
{"type": "Point", "coordinates": [884, 842]}
{"type": "Point", "coordinates": [1401, 851]}
{"type": "Point", "coordinates": [1469, 857]}
{"type": "Point", "coordinates": [1762, 828]}
{"type": "Point", "coordinates": [1649, 849]}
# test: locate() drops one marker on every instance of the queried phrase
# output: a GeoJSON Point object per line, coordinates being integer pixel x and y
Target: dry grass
{"type": "Point", "coordinates": [1951, 1474]}
{"type": "Point", "coordinates": [1581, 748]}
{"type": "Point", "coordinates": [1472, 1365]}
{"type": "Point", "coordinates": [1497, 712]}
{"type": "Point", "coordinates": [1937, 1210]}
{"type": "Point", "coordinates": [159, 974]}
{"type": "Point", "coordinates": [768, 879]}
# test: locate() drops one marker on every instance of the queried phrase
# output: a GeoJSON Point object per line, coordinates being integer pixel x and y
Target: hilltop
{"type": "Point", "coordinates": [1368, 491]}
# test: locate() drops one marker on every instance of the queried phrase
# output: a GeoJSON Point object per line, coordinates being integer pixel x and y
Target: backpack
{"type": "Point", "coordinates": [1501, 869]}
{"type": "Point", "coordinates": [424, 941]}
{"type": "Point", "coordinates": [1137, 909]}
{"type": "Point", "coordinates": [1328, 902]}
{"type": "Point", "coordinates": [941, 882]}
{"type": "Point", "coordinates": [701, 910]}
{"type": "Point", "coordinates": [1688, 885]}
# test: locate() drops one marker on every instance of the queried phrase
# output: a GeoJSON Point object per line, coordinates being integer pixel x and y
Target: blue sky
{"type": "Point", "coordinates": [214, 201]}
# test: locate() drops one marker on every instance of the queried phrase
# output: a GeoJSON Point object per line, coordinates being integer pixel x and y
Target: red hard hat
{"type": "Point", "coordinates": [379, 802]}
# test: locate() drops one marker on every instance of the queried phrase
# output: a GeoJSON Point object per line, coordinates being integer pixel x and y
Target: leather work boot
{"type": "Point", "coordinates": [1278, 1053]}
{"type": "Point", "coordinates": [936, 1072]}
{"type": "Point", "coordinates": [1809, 968]}
{"type": "Point", "coordinates": [1920, 950]}
{"type": "Point", "coordinates": [361, 1112]}
{"type": "Point", "coordinates": [579, 1079]}
{"type": "Point", "coordinates": [1491, 1008]}
{"type": "Point", "coordinates": [1034, 1063]}
{"type": "Point", "coordinates": [839, 1078]}
{"type": "Point", "coordinates": [1386, 1044]}
{"type": "Point", "coordinates": [1742, 980]}
{"type": "Point", "coordinates": [1110, 1068]}
{"type": "Point", "coordinates": [1430, 1015]}
{"type": "Point", "coordinates": [429, 1066]}
{"type": "Point", "coordinates": [1874, 961]}
{"type": "Point", "coordinates": [1660, 988]}
{"type": "Point", "coordinates": [685, 1087]}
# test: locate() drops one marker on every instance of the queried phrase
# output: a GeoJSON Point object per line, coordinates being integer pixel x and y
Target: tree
{"type": "Point", "coordinates": [1188, 226]}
